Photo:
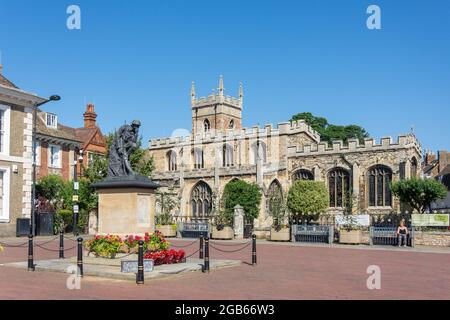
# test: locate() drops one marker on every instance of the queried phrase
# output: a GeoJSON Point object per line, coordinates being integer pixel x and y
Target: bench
{"type": "Point", "coordinates": [313, 233]}
{"type": "Point", "coordinates": [193, 229]}
{"type": "Point", "coordinates": [388, 236]}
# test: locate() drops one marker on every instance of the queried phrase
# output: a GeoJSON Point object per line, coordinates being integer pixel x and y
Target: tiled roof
{"type": "Point", "coordinates": [6, 82]}
{"type": "Point", "coordinates": [62, 131]}
{"type": "Point", "coordinates": [430, 166]}
{"type": "Point", "coordinates": [87, 134]}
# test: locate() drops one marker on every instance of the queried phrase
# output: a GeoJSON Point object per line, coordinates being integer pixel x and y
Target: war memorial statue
{"type": "Point", "coordinates": [126, 199]}
{"type": "Point", "coordinates": [123, 145]}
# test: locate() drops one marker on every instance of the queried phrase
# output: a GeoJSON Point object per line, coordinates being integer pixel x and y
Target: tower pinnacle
{"type": "Point", "coordinates": [221, 86]}
{"type": "Point", "coordinates": [193, 93]}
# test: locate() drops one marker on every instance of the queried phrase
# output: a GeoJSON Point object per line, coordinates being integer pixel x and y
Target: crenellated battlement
{"type": "Point", "coordinates": [216, 99]}
{"type": "Point", "coordinates": [353, 145]}
{"type": "Point", "coordinates": [255, 132]}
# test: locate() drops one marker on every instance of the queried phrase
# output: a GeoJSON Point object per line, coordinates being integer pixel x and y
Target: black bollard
{"type": "Point", "coordinates": [140, 273]}
{"type": "Point", "coordinates": [206, 263]}
{"type": "Point", "coordinates": [30, 253]}
{"type": "Point", "coordinates": [200, 254]}
{"type": "Point", "coordinates": [80, 257]}
{"type": "Point", "coordinates": [254, 250]}
{"type": "Point", "coordinates": [61, 245]}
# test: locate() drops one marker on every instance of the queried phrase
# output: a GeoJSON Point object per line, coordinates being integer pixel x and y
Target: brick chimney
{"type": "Point", "coordinates": [1, 69]}
{"type": "Point", "coordinates": [90, 116]}
{"type": "Point", "coordinates": [444, 159]}
{"type": "Point", "coordinates": [429, 157]}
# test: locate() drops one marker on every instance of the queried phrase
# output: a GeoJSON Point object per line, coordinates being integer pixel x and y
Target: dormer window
{"type": "Point", "coordinates": [51, 120]}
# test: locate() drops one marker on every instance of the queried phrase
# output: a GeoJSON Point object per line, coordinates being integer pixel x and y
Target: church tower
{"type": "Point", "coordinates": [217, 112]}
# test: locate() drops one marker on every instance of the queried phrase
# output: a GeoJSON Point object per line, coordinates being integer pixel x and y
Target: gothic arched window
{"type": "Point", "coordinates": [275, 197]}
{"type": "Point", "coordinates": [207, 125]}
{"type": "Point", "coordinates": [199, 162]}
{"type": "Point", "coordinates": [339, 187]}
{"type": "Point", "coordinates": [172, 160]}
{"type": "Point", "coordinates": [201, 200]}
{"type": "Point", "coordinates": [380, 178]}
{"type": "Point", "coordinates": [231, 125]}
{"type": "Point", "coordinates": [302, 174]}
{"type": "Point", "coordinates": [227, 155]}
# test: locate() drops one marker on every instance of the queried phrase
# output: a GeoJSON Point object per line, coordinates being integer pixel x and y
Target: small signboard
{"type": "Point", "coordinates": [362, 220]}
{"type": "Point", "coordinates": [430, 220]}
{"type": "Point", "coordinates": [131, 266]}
{"type": "Point", "coordinates": [75, 198]}
{"type": "Point", "coordinates": [75, 208]}
{"type": "Point", "coordinates": [76, 185]}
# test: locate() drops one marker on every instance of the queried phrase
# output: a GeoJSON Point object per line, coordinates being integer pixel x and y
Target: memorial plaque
{"type": "Point", "coordinates": [143, 209]}
{"type": "Point", "coordinates": [131, 266]}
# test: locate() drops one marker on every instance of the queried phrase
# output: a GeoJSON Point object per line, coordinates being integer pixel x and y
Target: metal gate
{"type": "Point", "coordinates": [248, 229]}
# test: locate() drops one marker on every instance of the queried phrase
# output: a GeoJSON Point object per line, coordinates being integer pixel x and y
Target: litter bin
{"type": "Point", "coordinates": [44, 224]}
{"type": "Point", "coordinates": [22, 227]}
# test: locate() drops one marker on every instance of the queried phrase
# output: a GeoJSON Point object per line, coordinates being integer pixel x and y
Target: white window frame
{"type": "Point", "coordinates": [5, 214]}
{"type": "Point", "coordinates": [54, 125]}
{"type": "Point", "coordinates": [59, 164]}
{"type": "Point", "coordinates": [6, 129]}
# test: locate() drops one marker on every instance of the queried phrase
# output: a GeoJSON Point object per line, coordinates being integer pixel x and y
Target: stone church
{"type": "Point", "coordinates": [198, 167]}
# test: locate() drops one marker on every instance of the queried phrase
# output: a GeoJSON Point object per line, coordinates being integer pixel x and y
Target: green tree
{"type": "Point", "coordinates": [167, 201]}
{"type": "Point", "coordinates": [59, 193]}
{"type": "Point", "coordinates": [419, 193]}
{"type": "Point", "coordinates": [329, 132]}
{"type": "Point", "coordinates": [308, 199]}
{"type": "Point", "coordinates": [247, 195]}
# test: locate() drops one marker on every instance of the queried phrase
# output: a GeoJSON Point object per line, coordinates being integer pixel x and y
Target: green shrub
{"type": "Point", "coordinates": [308, 199]}
{"type": "Point", "coordinates": [63, 219]}
{"type": "Point", "coordinates": [247, 195]}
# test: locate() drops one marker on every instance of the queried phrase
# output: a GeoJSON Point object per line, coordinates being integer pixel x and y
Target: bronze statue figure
{"type": "Point", "coordinates": [123, 145]}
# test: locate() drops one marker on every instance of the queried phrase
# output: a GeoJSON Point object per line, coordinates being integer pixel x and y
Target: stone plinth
{"type": "Point", "coordinates": [126, 205]}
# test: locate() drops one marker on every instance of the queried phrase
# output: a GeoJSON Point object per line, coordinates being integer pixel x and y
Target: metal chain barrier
{"type": "Point", "coordinates": [7, 245]}
{"type": "Point", "coordinates": [71, 239]}
{"type": "Point", "coordinates": [124, 256]}
{"type": "Point", "coordinates": [184, 246]}
{"type": "Point", "coordinates": [231, 251]}
{"type": "Point", "coordinates": [42, 243]}
{"type": "Point", "coordinates": [192, 254]}
{"type": "Point", "coordinates": [46, 249]}
{"type": "Point", "coordinates": [229, 244]}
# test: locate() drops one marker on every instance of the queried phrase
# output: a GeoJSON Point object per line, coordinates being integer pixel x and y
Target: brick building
{"type": "Point", "coordinates": [60, 147]}
{"type": "Point", "coordinates": [438, 167]}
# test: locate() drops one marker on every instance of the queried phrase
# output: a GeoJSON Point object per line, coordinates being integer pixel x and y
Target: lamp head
{"type": "Point", "coordinates": [55, 98]}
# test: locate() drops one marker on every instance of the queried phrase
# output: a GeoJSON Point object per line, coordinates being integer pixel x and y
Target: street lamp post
{"type": "Point", "coordinates": [33, 147]}
{"type": "Point", "coordinates": [75, 189]}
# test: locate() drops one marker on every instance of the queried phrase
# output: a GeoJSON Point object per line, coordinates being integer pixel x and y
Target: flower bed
{"type": "Point", "coordinates": [155, 247]}
{"type": "Point", "coordinates": [166, 257]}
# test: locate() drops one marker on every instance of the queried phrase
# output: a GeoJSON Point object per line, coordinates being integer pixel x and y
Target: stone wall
{"type": "Point", "coordinates": [427, 238]}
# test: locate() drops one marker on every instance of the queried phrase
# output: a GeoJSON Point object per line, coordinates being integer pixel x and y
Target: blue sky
{"type": "Point", "coordinates": [136, 59]}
